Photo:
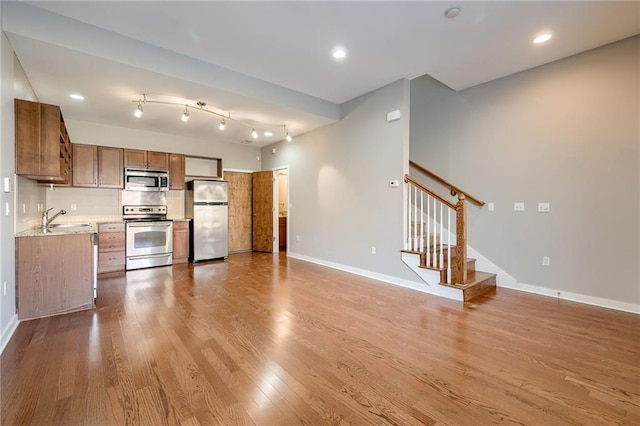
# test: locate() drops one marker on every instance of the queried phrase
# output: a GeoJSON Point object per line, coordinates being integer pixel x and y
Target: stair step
{"type": "Point", "coordinates": [478, 283]}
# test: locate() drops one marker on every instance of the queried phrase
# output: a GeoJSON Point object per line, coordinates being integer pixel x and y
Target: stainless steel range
{"type": "Point", "coordinates": [149, 236]}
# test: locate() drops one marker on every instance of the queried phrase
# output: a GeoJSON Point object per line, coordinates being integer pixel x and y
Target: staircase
{"type": "Point", "coordinates": [436, 247]}
{"type": "Point", "coordinates": [476, 284]}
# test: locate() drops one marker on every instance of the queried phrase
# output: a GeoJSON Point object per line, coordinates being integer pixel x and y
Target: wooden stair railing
{"type": "Point", "coordinates": [453, 190]}
{"type": "Point", "coordinates": [433, 216]}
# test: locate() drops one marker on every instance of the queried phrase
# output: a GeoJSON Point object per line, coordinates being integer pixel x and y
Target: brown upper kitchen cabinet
{"type": "Point", "coordinates": [146, 159]}
{"type": "Point", "coordinates": [97, 166]}
{"type": "Point", "coordinates": [85, 165]}
{"type": "Point", "coordinates": [42, 143]}
{"type": "Point", "coordinates": [176, 171]}
{"type": "Point", "coordinates": [110, 167]}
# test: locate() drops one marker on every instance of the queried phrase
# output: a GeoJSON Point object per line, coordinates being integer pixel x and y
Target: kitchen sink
{"type": "Point", "coordinates": [69, 225]}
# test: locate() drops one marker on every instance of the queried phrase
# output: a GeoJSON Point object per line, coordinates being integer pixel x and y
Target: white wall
{"type": "Point", "coordinates": [234, 156]}
{"type": "Point", "coordinates": [341, 204]}
{"type": "Point", "coordinates": [566, 133]}
{"type": "Point", "coordinates": [105, 204]}
{"type": "Point", "coordinates": [13, 84]}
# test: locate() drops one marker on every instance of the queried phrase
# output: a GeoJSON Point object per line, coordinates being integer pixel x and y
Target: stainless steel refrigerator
{"type": "Point", "coordinates": [207, 207]}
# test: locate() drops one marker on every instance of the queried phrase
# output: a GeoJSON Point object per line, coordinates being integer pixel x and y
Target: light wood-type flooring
{"type": "Point", "coordinates": [262, 339]}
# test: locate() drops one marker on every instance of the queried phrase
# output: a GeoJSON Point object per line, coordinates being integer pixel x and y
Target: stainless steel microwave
{"type": "Point", "coordinates": [146, 180]}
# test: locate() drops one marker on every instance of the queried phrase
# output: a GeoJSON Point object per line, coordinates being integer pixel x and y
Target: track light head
{"type": "Point", "coordinates": [254, 134]}
{"type": "Point", "coordinates": [222, 124]}
{"type": "Point", "coordinates": [185, 114]}
{"type": "Point", "coordinates": [138, 112]}
{"type": "Point", "coordinates": [288, 138]}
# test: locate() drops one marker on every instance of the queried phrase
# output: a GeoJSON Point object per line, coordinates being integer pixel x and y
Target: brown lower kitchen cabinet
{"type": "Point", "coordinates": [180, 241]}
{"type": "Point", "coordinates": [111, 247]}
{"type": "Point", "coordinates": [54, 274]}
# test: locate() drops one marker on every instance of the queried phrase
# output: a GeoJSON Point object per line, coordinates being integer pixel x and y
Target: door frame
{"type": "Point", "coordinates": [276, 204]}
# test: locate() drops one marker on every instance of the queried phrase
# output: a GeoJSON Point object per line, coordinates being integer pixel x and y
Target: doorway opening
{"type": "Point", "coordinates": [282, 191]}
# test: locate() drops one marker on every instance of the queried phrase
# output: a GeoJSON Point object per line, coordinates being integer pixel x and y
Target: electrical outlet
{"type": "Point", "coordinates": [394, 183]}
{"type": "Point", "coordinates": [297, 237]}
{"type": "Point", "coordinates": [518, 207]}
{"type": "Point", "coordinates": [546, 261]}
{"type": "Point", "coordinates": [543, 208]}
{"type": "Point", "coordinates": [74, 207]}
{"type": "Point", "coordinates": [490, 207]}
{"type": "Point", "coordinates": [373, 249]}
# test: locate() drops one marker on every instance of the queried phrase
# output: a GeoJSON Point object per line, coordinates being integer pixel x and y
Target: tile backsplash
{"type": "Point", "coordinates": [81, 204]}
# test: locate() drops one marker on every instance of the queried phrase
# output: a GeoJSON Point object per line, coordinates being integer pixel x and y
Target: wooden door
{"type": "Point", "coordinates": [157, 160]}
{"type": "Point", "coordinates": [85, 165]}
{"type": "Point", "coordinates": [110, 167]}
{"type": "Point", "coordinates": [240, 211]}
{"type": "Point", "coordinates": [135, 158]}
{"type": "Point", "coordinates": [27, 137]}
{"type": "Point", "coordinates": [176, 171]}
{"type": "Point", "coordinates": [262, 211]}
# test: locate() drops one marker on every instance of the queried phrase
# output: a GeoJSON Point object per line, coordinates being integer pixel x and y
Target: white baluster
{"type": "Point", "coordinates": [441, 236]}
{"type": "Point", "coordinates": [408, 228]}
{"type": "Point", "coordinates": [428, 251]}
{"type": "Point", "coordinates": [449, 278]}
{"type": "Point", "coordinates": [415, 218]}
{"type": "Point", "coordinates": [435, 233]}
{"type": "Point", "coordinates": [421, 220]}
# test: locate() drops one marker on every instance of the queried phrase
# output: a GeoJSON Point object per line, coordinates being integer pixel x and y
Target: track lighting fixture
{"type": "Point", "coordinates": [224, 116]}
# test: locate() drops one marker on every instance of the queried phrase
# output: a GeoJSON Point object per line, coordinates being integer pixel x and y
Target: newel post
{"type": "Point", "coordinates": [461, 239]}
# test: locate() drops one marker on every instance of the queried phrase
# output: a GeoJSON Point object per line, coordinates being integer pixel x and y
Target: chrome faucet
{"type": "Point", "coordinates": [45, 218]}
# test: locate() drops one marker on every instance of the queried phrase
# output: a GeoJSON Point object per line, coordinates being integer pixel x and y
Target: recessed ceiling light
{"type": "Point", "coordinates": [542, 38]}
{"type": "Point", "coordinates": [339, 53]}
{"type": "Point", "coordinates": [268, 133]}
{"type": "Point", "coordinates": [76, 97]}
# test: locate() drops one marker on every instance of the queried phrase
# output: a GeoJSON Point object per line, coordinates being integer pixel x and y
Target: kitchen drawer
{"type": "Point", "coordinates": [111, 227]}
{"type": "Point", "coordinates": [180, 224]}
{"type": "Point", "coordinates": [111, 261]}
{"type": "Point", "coordinates": [111, 241]}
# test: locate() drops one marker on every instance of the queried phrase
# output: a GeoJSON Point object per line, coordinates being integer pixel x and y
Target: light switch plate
{"type": "Point", "coordinates": [544, 208]}
{"type": "Point", "coordinates": [518, 207]}
{"type": "Point", "coordinates": [394, 183]}
{"type": "Point", "coordinates": [490, 207]}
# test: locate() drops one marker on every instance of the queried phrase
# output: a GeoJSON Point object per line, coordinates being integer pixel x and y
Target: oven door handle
{"type": "Point", "coordinates": [149, 256]}
{"type": "Point", "coordinates": [148, 225]}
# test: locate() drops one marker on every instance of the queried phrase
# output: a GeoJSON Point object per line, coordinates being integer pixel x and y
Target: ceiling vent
{"type": "Point", "coordinates": [246, 141]}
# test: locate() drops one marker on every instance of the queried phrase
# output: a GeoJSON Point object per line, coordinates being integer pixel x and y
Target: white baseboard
{"type": "Point", "coordinates": [506, 282]}
{"type": "Point", "coordinates": [575, 297]}
{"type": "Point", "coordinates": [8, 331]}
{"type": "Point", "coordinates": [415, 285]}
{"type": "Point", "coordinates": [420, 286]}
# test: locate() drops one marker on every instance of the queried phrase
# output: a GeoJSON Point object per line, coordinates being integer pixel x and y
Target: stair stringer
{"type": "Point", "coordinates": [431, 279]}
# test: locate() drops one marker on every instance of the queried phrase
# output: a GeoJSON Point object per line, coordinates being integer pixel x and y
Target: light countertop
{"type": "Point", "coordinates": [68, 229]}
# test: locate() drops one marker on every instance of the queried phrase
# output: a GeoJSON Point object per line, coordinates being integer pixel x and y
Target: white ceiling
{"type": "Point", "coordinates": [269, 62]}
